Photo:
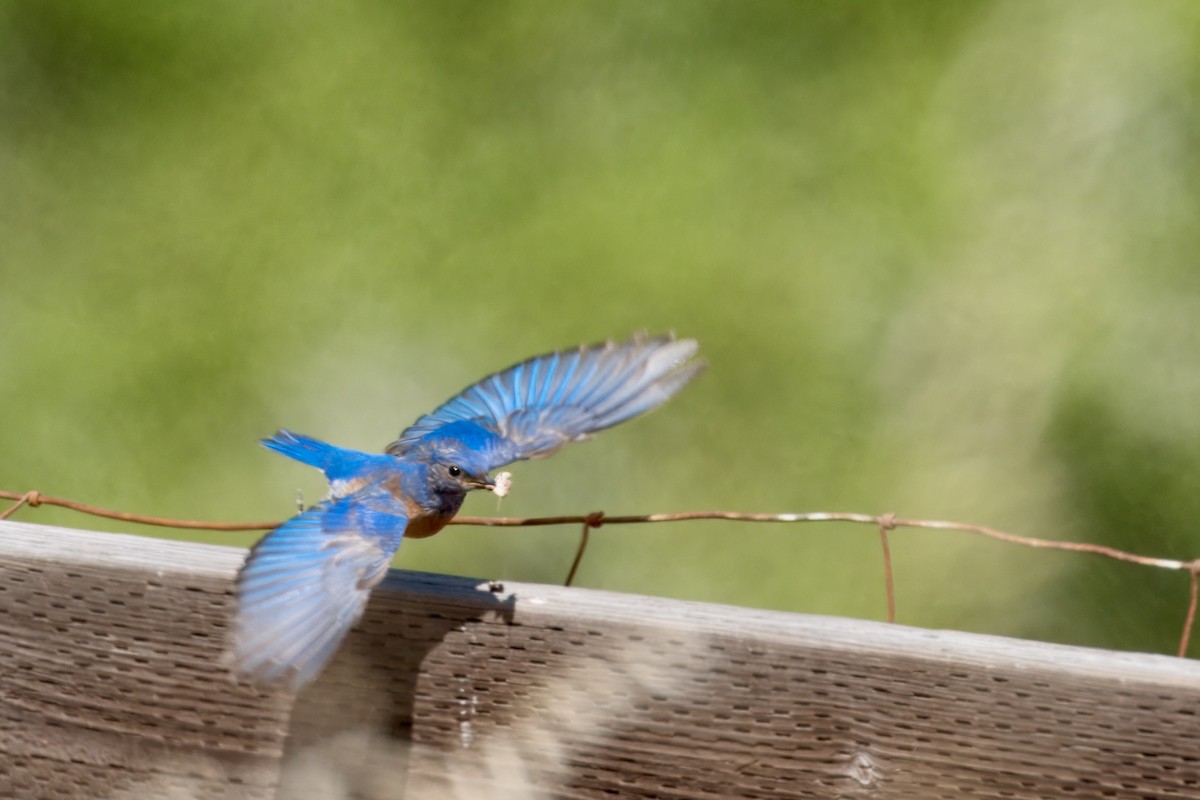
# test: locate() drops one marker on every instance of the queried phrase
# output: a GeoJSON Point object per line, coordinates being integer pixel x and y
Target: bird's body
{"type": "Point", "coordinates": [306, 583]}
{"type": "Point", "coordinates": [400, 486]}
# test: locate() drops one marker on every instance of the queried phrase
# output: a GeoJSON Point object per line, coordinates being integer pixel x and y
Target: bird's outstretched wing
{"type": "Point", "coordinates": [533, 408]}
{"type": "Point", "coordinates": [305, 584]}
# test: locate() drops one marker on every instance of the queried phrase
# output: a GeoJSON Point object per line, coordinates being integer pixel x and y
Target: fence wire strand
{"type": "Point", "coordinates": [885, 523]}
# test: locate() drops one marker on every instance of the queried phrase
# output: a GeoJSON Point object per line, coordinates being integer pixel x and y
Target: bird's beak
{"type": "Point", "coordinates": [485, 482]}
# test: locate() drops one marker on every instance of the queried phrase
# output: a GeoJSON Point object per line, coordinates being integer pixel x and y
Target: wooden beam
{"type": "Point", "coordinates": [112, 686]}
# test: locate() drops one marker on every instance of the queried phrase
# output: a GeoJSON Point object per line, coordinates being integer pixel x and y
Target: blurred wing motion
{"type": "Point", "coordinates": [306, 583]}
{"type": "Point", "coordinates": [535, 407]}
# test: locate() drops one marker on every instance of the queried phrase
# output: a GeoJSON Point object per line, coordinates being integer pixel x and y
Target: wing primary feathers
{"type": "Point", "coordinates": [517, 383]}
{"type": "Point", "coordinates": [526, 396]}
{"type": "Point", "coordinates": [658, 371]}
{"type": "Point", "coordinates": [569, 379]}
{"type": "Point", "coordinates": [538, 405]}
{"type": "Point", "coordinates": [548, 381]}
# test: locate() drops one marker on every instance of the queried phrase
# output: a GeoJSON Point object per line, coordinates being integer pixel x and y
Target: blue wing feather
{"type": "Point", "coordinates": [535, 407]}
{"type": "Point", "coordinates": [547, 383]}
{"type": "Point", "coordinates": [306, 584]}
{"type": "Point", "coordinates": [563, 381]}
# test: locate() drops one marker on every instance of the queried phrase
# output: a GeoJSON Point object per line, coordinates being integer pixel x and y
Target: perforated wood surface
{"type": "Point", "coordinates": [111, 686]}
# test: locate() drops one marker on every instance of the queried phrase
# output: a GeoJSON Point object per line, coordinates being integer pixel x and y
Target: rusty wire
{"type": "Point", "coordinates": [885, 523]}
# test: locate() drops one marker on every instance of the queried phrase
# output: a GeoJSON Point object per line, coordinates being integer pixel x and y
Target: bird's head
{"type": "Point", "coordinates": [454, 460]}
{"type": "Point", "coordinates": [453, 468]}
{"type": "Point", "coordinates": [453, 473]}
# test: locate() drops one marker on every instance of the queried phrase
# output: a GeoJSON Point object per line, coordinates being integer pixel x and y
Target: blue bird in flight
{"type": "Point", "coordinates": [306, 583]}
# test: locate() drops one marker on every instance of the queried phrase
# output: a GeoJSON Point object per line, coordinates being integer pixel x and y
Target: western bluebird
{"type": "Point", "coordinates": [306, 583]}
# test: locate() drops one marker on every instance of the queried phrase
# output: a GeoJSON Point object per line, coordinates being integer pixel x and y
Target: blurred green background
{"type": "Point", "coordinates": [941, 257]}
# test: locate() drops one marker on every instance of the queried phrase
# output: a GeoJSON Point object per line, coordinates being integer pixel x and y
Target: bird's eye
{"type": "Point", "coordinates": [455, 472]}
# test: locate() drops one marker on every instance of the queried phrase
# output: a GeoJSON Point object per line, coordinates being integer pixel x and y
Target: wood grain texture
{"type": "Point", "coordinates": [112, 686]}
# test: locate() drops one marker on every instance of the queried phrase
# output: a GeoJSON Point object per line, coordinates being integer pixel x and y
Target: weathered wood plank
{"type": "Point", "coordinates": [111, 685]}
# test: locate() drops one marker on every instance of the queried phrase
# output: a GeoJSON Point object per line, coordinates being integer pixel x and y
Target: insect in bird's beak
{"type": "Point", "coordinates": [501, 484]}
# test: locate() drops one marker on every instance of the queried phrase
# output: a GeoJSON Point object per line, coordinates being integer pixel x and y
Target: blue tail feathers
{"type": "Point", "coordinates": [305, 449]}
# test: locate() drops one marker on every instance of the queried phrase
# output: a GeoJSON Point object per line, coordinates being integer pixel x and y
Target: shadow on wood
{"type": "Point", "coordinates": [351, 731]}
{"type": "Point", "coordinates": [111, 686]}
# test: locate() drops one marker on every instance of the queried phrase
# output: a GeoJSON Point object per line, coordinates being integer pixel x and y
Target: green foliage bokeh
{"type": "Point", "coordinates": [941, 258]}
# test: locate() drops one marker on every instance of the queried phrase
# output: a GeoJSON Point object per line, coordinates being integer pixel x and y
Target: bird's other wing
{"type": "Point", "coordinates": [306, 583]}
{"type": "Point", "coordinates": [533, 408]}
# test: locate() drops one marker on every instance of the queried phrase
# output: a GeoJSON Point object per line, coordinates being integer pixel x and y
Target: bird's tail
{"type": "Point", "coordinates": [304, 449]}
